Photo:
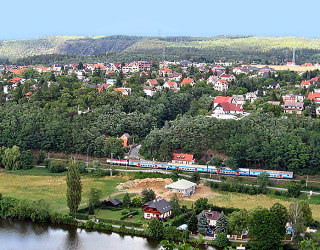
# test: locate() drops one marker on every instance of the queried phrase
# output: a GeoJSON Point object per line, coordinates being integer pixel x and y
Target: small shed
{"type": "Point", "coordinates": [186, 188]}
{"type": "Point", "coordinates": [113, 203]}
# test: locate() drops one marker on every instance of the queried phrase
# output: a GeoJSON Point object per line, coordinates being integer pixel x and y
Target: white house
{"type": "Point", "coordinates": [185, 187]}
{"type": "Point", "coordinates": [212, 217]}
{"type": "Point", "coordinates": [221, 85]}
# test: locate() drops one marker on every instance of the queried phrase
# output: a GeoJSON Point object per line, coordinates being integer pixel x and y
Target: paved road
{"type": "Point", "coordinates": [134, 152]}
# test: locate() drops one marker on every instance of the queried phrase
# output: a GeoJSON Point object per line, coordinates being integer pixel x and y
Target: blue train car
{"type": "Point", "coordinates": [272, 173]}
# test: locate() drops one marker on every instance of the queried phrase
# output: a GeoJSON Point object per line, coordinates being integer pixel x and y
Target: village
{"type": "Point", "coordinates": [157, 77]}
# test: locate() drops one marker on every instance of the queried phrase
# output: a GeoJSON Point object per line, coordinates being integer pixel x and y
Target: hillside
{"type": "Point", "coordinates": [264, 49]}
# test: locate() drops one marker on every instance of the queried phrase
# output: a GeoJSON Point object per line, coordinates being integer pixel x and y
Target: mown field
{"type": "Point", "coordinates": [38, 184]}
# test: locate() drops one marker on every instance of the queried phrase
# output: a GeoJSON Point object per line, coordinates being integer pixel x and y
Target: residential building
{"type": "Point", "coordinates": [125, 139]}
{"type": "Point", "coordinates": [159, 209]}
{"type": "Point", "coordinates": [239, 99]}
{"type": "Point", "coordinates": [314, 96]}
{"type": "Point", "coordinates": [181, 158]}
{"type": "Point", "coordinates": [293, 107]}
{"type": "Point", "coordinates": [212, 217]}
{"type": "Point", "coordinates": [124, 91]}
{"type": "Point", "coordinates": [170, 85]}
{"type": "Point", "coordinates": [226, 108]}
{"type": "Point", "coordinates": [149, 90]}
{"type": "Point", "coordinates": [221, 85]}
{"type": "Point", "coordinates": [152, 82]}
{"type": "Point", "coordinates": [187, 81]}
{"type": "Point", "coordinates": [305, 84]}
{"type": "Point", "coordinates": [228, 77]}
{"type": "Point", "coordinates": [251, 96]}
{"type": "Point", "coordinates": [182, 186]}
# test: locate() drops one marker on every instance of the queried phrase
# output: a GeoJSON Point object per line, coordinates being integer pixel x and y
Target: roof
{"type": "Point", "coordinates": [314, 79]}
{"type": "Point", "coordinates": [221, 99]}
{"type": "Point", "coordinates": [153, 81]}
{"type": "Point", "coordinates": [274, 83]}
{"type": "Point", "coordinates": [161, 205]}
{"type": "Point", "coordinates": [115, 202]}
{"type": "Point", "coordinates": [15, 80]}
{"type": "Point", "coordinates": [186, 81]}
{"type": "Point", "coordinates": [184, 157]}
{"type": "Point", "coordinates": [305, 83]}
{"type": "Point", "coordinates": [171, 83]}
{"type": "Point", "coordinates": [125, 135]}
{"type": "Point", "coordinates": [181, 184]}
{"type": "Point", "coordinates": [211, 215]}
{"type": "Point", "coordinates": [231, 106]}
{"type": "Point", "coordinates": [226, 75]}
{"type": "Point", "coordinates": [223, 81]}
{"type": "Point", "coordinates": [312, 96]}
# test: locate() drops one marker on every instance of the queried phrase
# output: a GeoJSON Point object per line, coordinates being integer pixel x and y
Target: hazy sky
{"type": "Point", "coordinates": [34, 18]}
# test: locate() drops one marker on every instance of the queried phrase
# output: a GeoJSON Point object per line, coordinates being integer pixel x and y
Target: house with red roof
{"type": "Point", "coordinates": [314, 96]}
{"type": "Point", "coordinates": [221, 85]}
{"type": "Point", "coordinates": [226, 108]}
{"type": "Point", "coordinates": [157, 209]}
{"type": "Point", "coordinates": [181, 158]}
{"type": "Point", "coordinates": [221, 99]}
{"type": "Point", "coordinates": [124, 91]}
{"type": "Point", "coordinates": [103, 86]}
{"type": "Point", "coordinates": [152, 82]}
{"type": "Point", "coordinates": [170, 85]}
{"type": "Point", "coordinates": [15, 80]}
{"type": "Point", "coordinates": [314, 79]}
{"type": "Point", "coordinates": [305, 84]}
{"type": "Point", "coordinates": [307, 64]}
{"type": "Point", "coordinates": [165, 71]}
{"type": "Point", "coordinates": [16, 71]}
{"type": "Point", "coordinates": [187, 81]}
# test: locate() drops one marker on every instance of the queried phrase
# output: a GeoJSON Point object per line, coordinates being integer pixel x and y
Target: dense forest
{"type": "Point", "coordinates": [64, 49]}
{"type": "Point", "coordinates": [268, 142]}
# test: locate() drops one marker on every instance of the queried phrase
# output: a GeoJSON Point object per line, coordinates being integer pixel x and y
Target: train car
{"type": "Point", "coordinates": [117, 162]}
{"type": "Point", "coordinates": [187, 167]}
{"type": "Point", "coordinates": [272, 173]}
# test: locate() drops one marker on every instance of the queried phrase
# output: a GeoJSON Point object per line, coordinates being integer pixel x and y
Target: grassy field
{"type": "Point", "coordinates": [116, 215]}
{"type": "Point", "coordinates": [38, 184]}
{"type": "Point", "coordinates": [245, 201]}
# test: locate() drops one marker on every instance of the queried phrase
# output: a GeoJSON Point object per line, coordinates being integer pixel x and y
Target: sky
{"type": "Point", "coordinates": [36, 18]}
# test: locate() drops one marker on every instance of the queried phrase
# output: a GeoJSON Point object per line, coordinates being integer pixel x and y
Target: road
{"type": "Point", "coordinates": [134, 152]}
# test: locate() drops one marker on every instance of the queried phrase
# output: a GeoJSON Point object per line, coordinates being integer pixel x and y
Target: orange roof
{"type": "Point", "coordinates": [223, 81]}
{"type": "Point", "coordinates": [28, 93]}
{"type": "Point", "coordinates": [182, 157]}
{"type": "Point", "coordinates": [16, 71]}
{"type": "Point", "coordinates": [222, 99]}
{"type": "Point", "coordinates": [305, 83]}
{"type": "Point", "coordinates": [166, 70]}
{"type": "Point", "coordinates": [186, 81]}
{"type": "Point", "coordinates": [312, 96]}
{"type": "Point", "coordinates": [153, 81]}
{"type": "Point", "coordinates": [307, 64]}
{"type": "Point", "coordinates": [101, 66]}
{"type": "Point", "coordinates": [171, 84]}
{"type": "Point", "coordinates": [15, 80]}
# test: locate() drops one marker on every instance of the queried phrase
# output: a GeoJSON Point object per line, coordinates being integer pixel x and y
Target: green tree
{"type": "Point", "coordinates": [263, 230]}
{"type": "Point", "coordinates": [231, 163]}
{"type": "Point", "coordinates": [26, 159]}
{"type": "Point", "coordinates": [238, 221]}
{"type": "Point", "coordinates": [216, 161]}
{"type": "Point", "coordinates": [155, 229]}
{"type": "Point", "coordinates": [296, 218]}
{"type": "Point", "coordinates": [263, 182]}
{"type": "Point", "coordinates": [171, 245]}
{"type": "Point", "coordinates": [94, 196]}
{"type": "Point", "coordinates": [147, 195]}
{"type": "Point", "coordinates": [201, 204]}
{"type": "Point", "coordinates": [294, 189]}
{"type": "Point", "coordinates": [175, 203]}
{"type": "Point", "coordinates": [11, 158]}
{"type": "Point", "coordinates": [126, 200]}
{"type": "Point", "coordinates": [281, 213]}
{"type": "Point", "coordinates": [221, 240]}
{"type": "Point", "coordinates": [113, 147]}
{"type": "Point", "coordinates": [193, 223]}
{"type": "Point", "coordinates": [307, 213]}
{"type": "Point", "coordinates": [222, 223]}
{"type": "Point", "coordinates": [74, 188]}
{"type": "Point", "coordinates": [195, 177]}
{"type": "Point", "coordinates": [203, 224]}
{"type": "Point", "coordinates": [41, 157]}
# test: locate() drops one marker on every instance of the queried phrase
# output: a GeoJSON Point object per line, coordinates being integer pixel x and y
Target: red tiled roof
{"type": "Point", "coordinates": [166, 70]}
{"type": "Point", "coordinates": [16, 71]}
{"type": "Point", "coordinates": [307, 64]}
{"type": "Point", "coordinates": [226, 75]}
{"type": "Point", "coordinates": [186, 81]}
{"type": "Point", "coordinates": [153, 81]}
{"type": "Point", "coordinates": [231, 106]}
{"type": "Point", "coordinates": [182, 157]}
{"type": "Point", "coordinates": [314, 79]}
{"type": "Point", "coordinates": [15, 80]}
{"type": "Point", "coordinates": [312, 96]}
{"type": "Point", "coordinates": [103, 86]}
{"type": "Point", "coordinates": [305, 83]}
{"type": "Point", "coordinates": [171, 84]}
{"type": "Point", "coordinates": [221, 99]}
{"type": "Point", "coordinates": [223, 81]}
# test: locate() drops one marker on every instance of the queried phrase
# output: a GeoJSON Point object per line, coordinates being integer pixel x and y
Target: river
{"type": "Point", "coordinates": [24, 235]}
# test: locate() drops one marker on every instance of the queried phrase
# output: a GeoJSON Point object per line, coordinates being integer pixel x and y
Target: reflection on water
{"type": "Point", "coordinates": [21, 235]}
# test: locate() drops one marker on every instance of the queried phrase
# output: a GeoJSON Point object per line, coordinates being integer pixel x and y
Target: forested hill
{"type": "Point", "coordinates": [65, 49]}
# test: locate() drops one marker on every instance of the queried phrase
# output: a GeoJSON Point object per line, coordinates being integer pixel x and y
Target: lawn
{"type": "Point", "coordinates": [116, 215]}
{"type": "Point", "coordinates": [38, 184]}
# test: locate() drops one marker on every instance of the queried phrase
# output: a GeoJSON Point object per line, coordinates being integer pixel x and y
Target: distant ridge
{"type": "Point", "coordinates": [176, 47]}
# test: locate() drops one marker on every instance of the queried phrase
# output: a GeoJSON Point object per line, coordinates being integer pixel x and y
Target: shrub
{"type": "Point", "coordinates": [294, 190]}
{"type": "Point", "coordinates": [80, 216]}
{"type": "Point", "coordinates": [56, 167]}
{"type": "Point", "coordinates": [221, 240]}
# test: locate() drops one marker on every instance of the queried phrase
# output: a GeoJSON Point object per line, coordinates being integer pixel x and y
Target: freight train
{"type": "Point", "coordinates": [201, 168]}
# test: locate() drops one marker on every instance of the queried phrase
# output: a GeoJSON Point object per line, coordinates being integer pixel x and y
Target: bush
{"type": "Point", "coordinates": [41, 157]}
{"type": "Point", "coordinates": [63, 219]}
{"type": "Point", "coordinates": [80, 216]}
{"type": "Point", "coordinates": [221, 240]}
{"type": "Point", "coordinates": [294, 190]}
{"type": "Point", "coordinates": [56, 167]}
{"type": "Point", "coordinates": [181, 219]}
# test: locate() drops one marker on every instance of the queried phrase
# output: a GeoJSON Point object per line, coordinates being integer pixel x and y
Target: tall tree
{"type": "Point", "coordinates": [94, 198]}
{"type": "Point", "coordinates": [126, 200]}
{"type": "Point", "coordinates": [238, 221]}
{"type": "Point", "coordinates": [155, 228]}
{"type": "Point", "coordinates": [263, 230]}
{"type": "Point", "coordinates": [74, 188]}
{"type": "Point", "coordinates": [203, 224]}
{"type": "Point", "coordinates": [147, 194]}
{"type": "Point", "coordinates": [175, 203]}
{"type": "Point", "coordinates": [193, 223]}
{"type": "Point", "coordinates": [281, 213]}
{"type": "Point", "coordinates": [222, 223]}
{"type": "Point", "coordinates": [11, 158]}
